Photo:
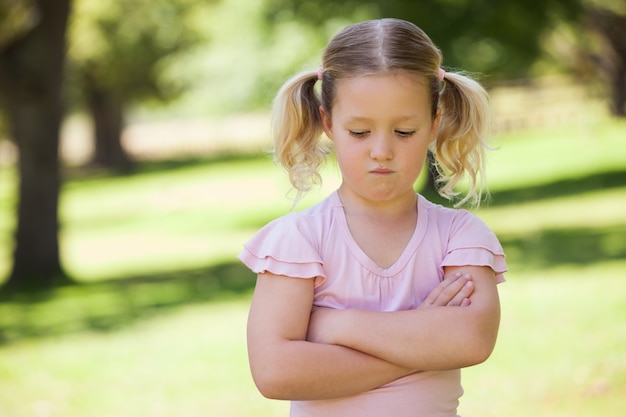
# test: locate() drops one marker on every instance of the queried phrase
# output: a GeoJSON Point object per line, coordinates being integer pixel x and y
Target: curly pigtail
{"type": "Point", "coordinates": [296, 129]}
{"type": "Point", "coordinates": [460, 145]}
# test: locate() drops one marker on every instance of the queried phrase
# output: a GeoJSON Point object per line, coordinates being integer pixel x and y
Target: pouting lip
{"type": "Point", "coordinates": [381, 170]}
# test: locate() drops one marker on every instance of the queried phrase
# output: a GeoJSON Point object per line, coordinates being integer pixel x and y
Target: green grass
{"type": "Point", "coordinates": [561, 352]}
{"type": "Point", "coordinates": [535, 157]}
{"type": "Point", "coordinates": [157, 327]}
{"type": "Point", "coordinates": [561, 349]}
{"type": "Point", "coordinates": [190, 363]}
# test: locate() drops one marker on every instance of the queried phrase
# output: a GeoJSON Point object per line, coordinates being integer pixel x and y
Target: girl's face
{"type": "Point", "coordinates": [381, 126]}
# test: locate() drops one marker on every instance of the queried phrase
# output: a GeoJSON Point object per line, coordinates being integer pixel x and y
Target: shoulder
{"type": "Point", "coordinates": [290, 245]}
{"type": "Point", "coordinates": [308, 224]}
{"type": "Point", "coordinates": [458, 225]}
{"type": "Point", "coordinates": [467, 240]}
{"type": "Point", "coordinates": [312, 218]}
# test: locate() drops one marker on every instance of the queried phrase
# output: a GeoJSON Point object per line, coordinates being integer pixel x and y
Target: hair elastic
{"type": "Point", "coordinates": [320, 73]}
{"type": "Point", "coordinates": [442, 74]}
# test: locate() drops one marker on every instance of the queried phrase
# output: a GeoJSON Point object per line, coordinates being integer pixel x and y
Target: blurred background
{"type": "Point", "coordinates": [134, 164]}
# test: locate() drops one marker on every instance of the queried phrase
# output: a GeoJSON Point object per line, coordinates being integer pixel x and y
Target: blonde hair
{"type": "Point", "coordinates": [378, 47]}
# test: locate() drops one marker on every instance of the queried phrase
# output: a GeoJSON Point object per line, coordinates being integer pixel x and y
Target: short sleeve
{"type": "Point", "coordinates": [284, 247]}
{"type": "Point", "coordinates": [471, 242]}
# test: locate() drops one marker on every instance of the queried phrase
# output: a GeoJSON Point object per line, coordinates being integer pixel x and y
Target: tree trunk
{"type": "Point", "coordinates": [107, 115]}
{"type": "Point", "coordinates": [31, 74]}
{"type": "Point", "coordinates": [612, 27]}
{"type": "Point", "coordinates": [615, 33]}
{"type": "Point", "coordinates": [618, 102]}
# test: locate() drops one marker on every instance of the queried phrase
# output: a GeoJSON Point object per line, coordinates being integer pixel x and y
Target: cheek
{"type": "Point", "coordinates": [344, 158]}
{"type": "Point", "coordinates": [347, 156]}
{"type": "Point", "coordinates": [416, 158]}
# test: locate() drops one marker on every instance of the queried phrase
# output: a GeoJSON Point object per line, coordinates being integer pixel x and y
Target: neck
{"type": "Point", "coordinates": [402, 207]}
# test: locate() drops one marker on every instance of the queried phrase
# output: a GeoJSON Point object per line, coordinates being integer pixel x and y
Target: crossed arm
{"type": "Point", "coordinates": [299, 354]}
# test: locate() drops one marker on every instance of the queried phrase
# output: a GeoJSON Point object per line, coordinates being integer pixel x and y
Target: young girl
{"type": "Point", "coordinates": [370, 302]}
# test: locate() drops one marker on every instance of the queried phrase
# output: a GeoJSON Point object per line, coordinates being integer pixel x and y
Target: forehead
{"type": "Point", "coordinates": [393, 94]}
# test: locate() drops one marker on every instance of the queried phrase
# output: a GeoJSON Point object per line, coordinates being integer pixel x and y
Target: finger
{"type": "Point", "coordinates": [454, 293]}
{"type": "Point", "coordinates": [436, 293]}
{"type": "Point", "coordinates": [463, 294]}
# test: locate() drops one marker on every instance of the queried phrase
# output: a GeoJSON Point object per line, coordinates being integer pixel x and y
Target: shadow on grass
{"type": "Point", "coordinates": [565, 247]}
{"type": "Point", "coordinates": [561, 188]}
{"type": "Point", "coordinates": [538, 192]}
{"type": "Point", "coordinates": [115, 304]}
{"type": "Point", "coordinates": [88, 173]}
{"type": "Point", "coordinates": [111, 305]}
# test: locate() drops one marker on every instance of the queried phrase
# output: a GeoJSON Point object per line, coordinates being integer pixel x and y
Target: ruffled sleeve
{"type": "Point", "coordinates": [471, 242]}
{"type": "Point", "coordinates": [284, 247]}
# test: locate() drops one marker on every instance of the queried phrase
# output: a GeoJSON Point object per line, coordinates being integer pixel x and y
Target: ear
{"type": "Point", "coordinates": [327, 123]}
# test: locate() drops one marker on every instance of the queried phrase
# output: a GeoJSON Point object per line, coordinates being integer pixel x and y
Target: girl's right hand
{"type": "Point", "coordinates": [453, 291]}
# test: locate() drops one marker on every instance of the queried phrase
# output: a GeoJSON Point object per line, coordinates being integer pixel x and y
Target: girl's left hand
{"type": "Point", "coordinates": [453, 291]}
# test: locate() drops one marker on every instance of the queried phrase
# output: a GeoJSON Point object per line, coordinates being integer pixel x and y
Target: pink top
{"type": "Point", "coordinates": [316, 244]}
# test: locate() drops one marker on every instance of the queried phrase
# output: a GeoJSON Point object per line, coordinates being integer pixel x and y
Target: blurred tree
{"type": "Point", "coordinates": [17, 17]}
{"type": "Point", "coordinates": [607, 20]}
{"type": "Point", "coordinates": [32, 55]}
{"type": "Point", "coordinates": [501, 38]}
{"type": "Point", "coordinates": [118, 53]}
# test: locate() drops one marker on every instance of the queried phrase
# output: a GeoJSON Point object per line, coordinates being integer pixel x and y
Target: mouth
{"type": "Point", "coordinates": [381, 171]}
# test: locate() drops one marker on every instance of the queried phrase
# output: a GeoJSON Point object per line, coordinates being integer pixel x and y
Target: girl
{"type": "Point", "coordinates": [370, 302]}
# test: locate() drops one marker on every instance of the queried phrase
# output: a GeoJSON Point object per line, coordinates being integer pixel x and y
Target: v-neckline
{"type": "Point", "coordinates": [365, 260]}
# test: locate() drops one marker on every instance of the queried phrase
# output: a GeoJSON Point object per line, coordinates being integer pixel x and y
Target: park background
{"type": "Point", "coordinates": [165, 174]}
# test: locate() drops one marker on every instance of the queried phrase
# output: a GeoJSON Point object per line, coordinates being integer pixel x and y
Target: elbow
{"type": "Point", "coordinates": [275, 372]}
{"type": "Point", "coordinates": [270, 391]}
{"type": "Point", "coordinates": [481, 335]}
{"type": "Point", "coordinates": [480, 346]}
{"type": "Point", "coordinates": [271, 384]}
{"type": "Point", "coordinates": [479, 352]}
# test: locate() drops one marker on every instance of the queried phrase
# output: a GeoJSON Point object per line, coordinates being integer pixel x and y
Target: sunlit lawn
{"type": "Point", "coordinates": [561, 350]}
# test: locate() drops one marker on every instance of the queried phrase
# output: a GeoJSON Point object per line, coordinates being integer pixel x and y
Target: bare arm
{"type": "Point", "coordinates": [285, 366]}
{"type": "Point", "coordinates": [434, 338]}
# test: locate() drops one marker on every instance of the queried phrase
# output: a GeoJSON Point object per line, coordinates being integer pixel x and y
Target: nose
{"type": "Point", "coordinates": [382, 148]}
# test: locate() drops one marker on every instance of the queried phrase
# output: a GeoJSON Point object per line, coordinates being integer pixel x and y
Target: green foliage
{"type": "Point", "coordinates": [125, 46]}
{"type": "Point", "coordinates": [248, 57]}
{"type": "Point", "coordinates": [235, 54]}
{"type": "Point", "coordinates": [246, 61]}
{"type": "Point", "coordinates": [499, 38]}
{"type": "Point", "coordinates": [17, 17]}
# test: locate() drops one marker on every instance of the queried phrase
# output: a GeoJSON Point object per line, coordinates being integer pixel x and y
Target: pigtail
{"type": "Point", "coordinates": [460, 146]}
{"type": "Point", "coordinates": [296, 129]}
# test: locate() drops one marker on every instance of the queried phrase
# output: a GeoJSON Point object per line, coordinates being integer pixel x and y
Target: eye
{"type": "Point", "coordinates": [405, 133]}
{"type": "Point", "coordinates": [358, 133]}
